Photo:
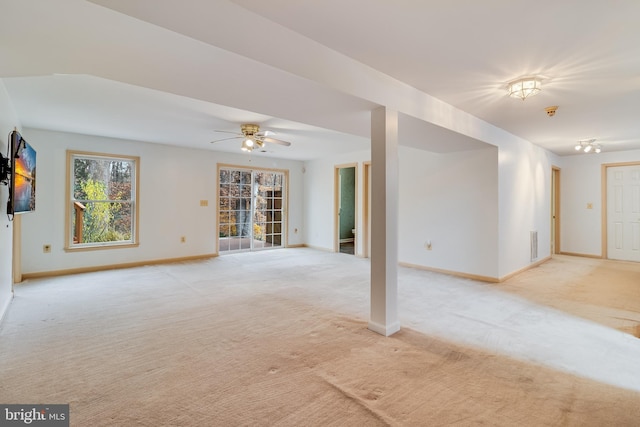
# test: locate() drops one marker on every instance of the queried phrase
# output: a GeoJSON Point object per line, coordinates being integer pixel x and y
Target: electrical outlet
{"type": "Point", "coordinates": [46, 249]}
{"type": "Point", "coordinates": [589, 205]}
{"type": "Point", "coordinates": [183, 239]}
{"type": "Point", "coordinates": [204, 203]}
{"type": "Point", "coordinates": [428, 245]}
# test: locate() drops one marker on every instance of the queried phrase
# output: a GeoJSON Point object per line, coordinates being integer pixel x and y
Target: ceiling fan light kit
{"type": "Point", "coordinates": [247, 145]}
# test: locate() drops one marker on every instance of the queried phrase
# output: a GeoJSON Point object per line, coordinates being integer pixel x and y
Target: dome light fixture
{"type": "Point", "coordinates": [525, 87]}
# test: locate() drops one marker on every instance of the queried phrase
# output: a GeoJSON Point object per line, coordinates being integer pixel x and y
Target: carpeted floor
{"type": "Point", "coordinates": [606, 292]}
{"type": "Point", "coordinates": [279, 338]}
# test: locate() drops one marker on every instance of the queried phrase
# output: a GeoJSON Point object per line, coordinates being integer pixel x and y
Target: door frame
{"type": "Point", "coordinates": [366, 214]}
{"type": "Point", "coordinates": [285, 207]}
{"type": "Point", "coordinates": [555, 210]}
{"type": "Point", "coordinates": [336, 206]}
{"type": "Point", "coordinates": [604, 204]}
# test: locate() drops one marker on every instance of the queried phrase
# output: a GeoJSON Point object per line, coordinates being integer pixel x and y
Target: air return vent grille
{"type": "Point", "coordinates": [534, 245]}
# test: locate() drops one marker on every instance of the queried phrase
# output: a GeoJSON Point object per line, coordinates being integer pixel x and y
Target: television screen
{"type": "Point", "coordinates": [23, 180]}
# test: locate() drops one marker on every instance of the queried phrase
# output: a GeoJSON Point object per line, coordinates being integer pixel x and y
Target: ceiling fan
{"type": "Point", "coordinates": [252, 137]}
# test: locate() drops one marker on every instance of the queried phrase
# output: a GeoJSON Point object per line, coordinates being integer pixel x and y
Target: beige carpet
{"type": "Point", "coordinates": [607, 292]}
{"type": "Point", "coordinates": [275, 338]}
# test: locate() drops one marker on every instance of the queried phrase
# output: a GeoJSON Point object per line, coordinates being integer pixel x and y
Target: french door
{"type": "Point", "coordinates": [250, 209]}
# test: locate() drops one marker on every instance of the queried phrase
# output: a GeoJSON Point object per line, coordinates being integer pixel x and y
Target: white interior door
{"type": "Point", "coordinates": [623, 213]}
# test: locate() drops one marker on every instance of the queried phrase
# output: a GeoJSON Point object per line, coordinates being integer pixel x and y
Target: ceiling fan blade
{"type": "Point", "coordinates": [265, 134]}
{"type": "Point", "coordinates": [227, 131]}
{"type": "Point", "coordinates": [277, 141]}
{"type": "Point", "coordinates": [226, 139]}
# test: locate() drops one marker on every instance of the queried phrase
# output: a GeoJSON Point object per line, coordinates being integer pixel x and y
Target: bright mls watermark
{"type": "Point", "coordinates": [34, 415]}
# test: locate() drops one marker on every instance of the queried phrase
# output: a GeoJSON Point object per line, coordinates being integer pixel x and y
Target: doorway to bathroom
{"type": "Point", "coordinates": [346, 184]}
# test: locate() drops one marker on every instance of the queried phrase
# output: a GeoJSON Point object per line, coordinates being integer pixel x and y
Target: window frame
{"type": "Point", "coordinates": [69, 246]}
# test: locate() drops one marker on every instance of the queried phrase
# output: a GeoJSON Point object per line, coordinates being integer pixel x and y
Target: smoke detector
{"type": "Point", "coordinates": [551, 111]}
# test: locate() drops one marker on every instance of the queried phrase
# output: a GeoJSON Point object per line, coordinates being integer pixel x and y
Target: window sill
{"type": "Point", "coordinates": [98, 247]}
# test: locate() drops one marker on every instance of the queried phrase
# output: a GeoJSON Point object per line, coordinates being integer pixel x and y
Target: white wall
{"type": "Point", "coordinates": [8, 120]}
{"type": "Point", "coordinates": [524, 202]}
{"type": "Point", "coordinates": [490, 236]}
{"type": "Point", "coordinates": [451, 200]}
{"type": "Point", "coordinates": [319, 185]}
{"type": "Point", "coordinates": [581, 184]}
{"type": "Point", "coordinates": [172, 182]}
{"type": "Point", "coordinates": [170, 208]}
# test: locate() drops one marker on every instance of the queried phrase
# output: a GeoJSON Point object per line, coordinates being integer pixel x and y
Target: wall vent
{"type": "Point", "coordinates": [534, 245]}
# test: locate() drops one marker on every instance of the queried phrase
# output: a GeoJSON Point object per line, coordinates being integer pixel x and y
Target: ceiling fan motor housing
{"type": "Point", "coordinates": [249, 129]}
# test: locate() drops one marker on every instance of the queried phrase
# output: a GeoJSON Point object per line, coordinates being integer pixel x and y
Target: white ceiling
{"type": "Point", "coordinates": [174, 72]}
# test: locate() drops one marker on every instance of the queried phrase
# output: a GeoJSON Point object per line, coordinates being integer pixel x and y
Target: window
{"type": "Point", "coordinates": [101, 200]}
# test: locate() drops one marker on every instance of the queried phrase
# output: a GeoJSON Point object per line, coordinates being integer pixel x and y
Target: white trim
{"type": "Point", "coordinates": [5, 310]}
{"type": "Point", "coordinates": [384, 330]}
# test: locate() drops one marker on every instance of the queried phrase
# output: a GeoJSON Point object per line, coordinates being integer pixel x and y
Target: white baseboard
{"type": "Point", "coordinates": [5, 309]}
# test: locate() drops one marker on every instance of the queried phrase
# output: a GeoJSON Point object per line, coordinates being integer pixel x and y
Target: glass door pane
{"type": "Point", "coordinates": [269, 208]}
{"type": "Point", "coordinates": [224, 211]}
{"type": "Point", "coordinates": [234, 210]}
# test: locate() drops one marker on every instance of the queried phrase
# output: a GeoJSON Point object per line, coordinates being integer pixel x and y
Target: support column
{"type": "Point", "coordinates": [384, 222]}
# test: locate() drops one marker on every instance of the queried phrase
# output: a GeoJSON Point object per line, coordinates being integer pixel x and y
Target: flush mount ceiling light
{"type": "Point", "coordinates": [524, 88]}
{"type": "Point", "coordinates": [588, 146]}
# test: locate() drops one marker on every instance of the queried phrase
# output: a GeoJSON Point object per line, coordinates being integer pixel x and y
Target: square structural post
{"type": "Point", "coordinates": [384, 222]}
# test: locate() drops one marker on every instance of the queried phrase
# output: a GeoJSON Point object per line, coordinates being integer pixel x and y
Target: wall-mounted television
{"type": "Point", "coordinates": [22, 175]}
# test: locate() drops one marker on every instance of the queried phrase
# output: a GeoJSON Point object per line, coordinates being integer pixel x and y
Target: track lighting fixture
{"type": "Point", "coordinates": [588, 146]}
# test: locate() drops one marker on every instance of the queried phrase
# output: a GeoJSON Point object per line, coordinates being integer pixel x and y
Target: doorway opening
{"type": "Point", "coordinates": [346, 178]}
{"type": "Point", "coordinates": [251, 209]}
